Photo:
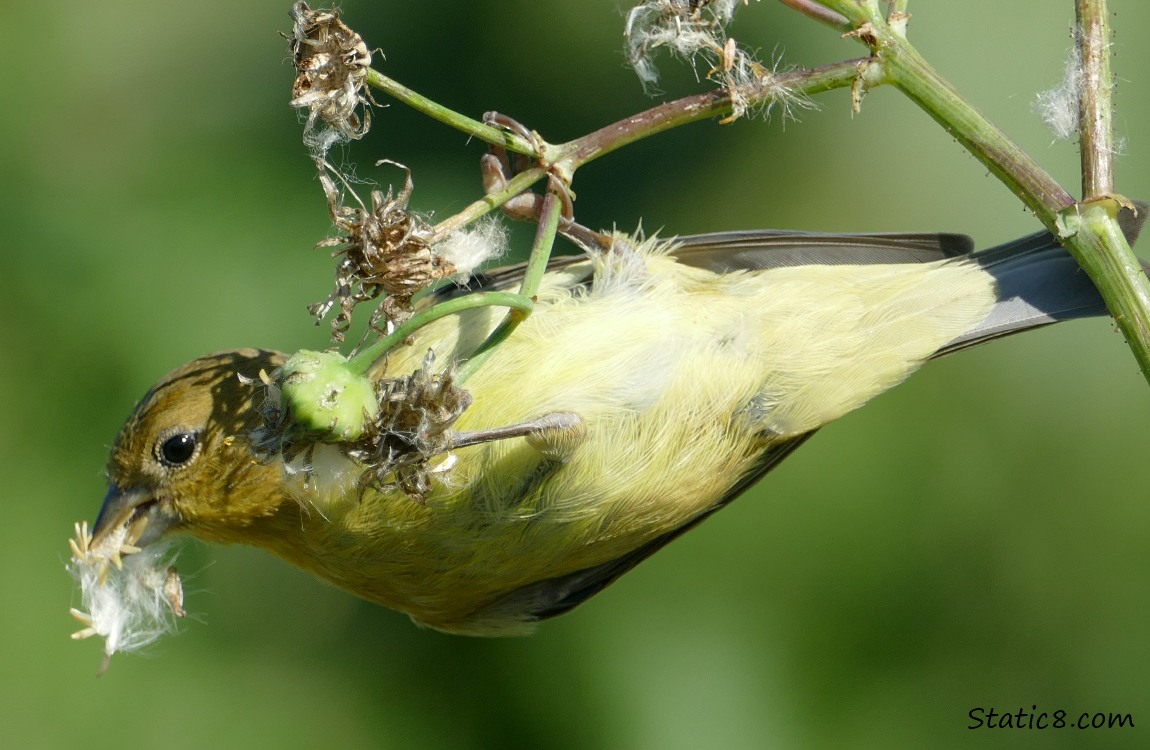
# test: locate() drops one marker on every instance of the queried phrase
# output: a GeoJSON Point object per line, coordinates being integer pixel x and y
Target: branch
{"type": "Point", "coordinates": [1089, 230]}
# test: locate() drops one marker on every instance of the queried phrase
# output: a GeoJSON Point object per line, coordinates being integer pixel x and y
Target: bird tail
{"type": "Point", "coordinates": [1039, 283]}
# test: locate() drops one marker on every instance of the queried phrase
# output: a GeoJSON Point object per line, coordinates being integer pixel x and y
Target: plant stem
{"type": "Point", "coordinates": [700, 107]}
{"type": "Point", "coordinates": [549, 217]}
{"type": "Point", "coordinates": [1089, 231]}
{"type": "Point", "coordinates": [1104, 253]}
{"type": "Point", "coordinates": [480, 130]}
{"type": "Point", "coordinates": [857, 12]}
{"type": "Point", "coordinates": [569, 156]}
{"type": "Point", "coordinates": [536, 266]}
{"type": "Point", "coordinates": [361, 363]}
{"type": "Point", "coordinates": [912, 75]}
{"type": "Point", "coordinates": [488, 203]}
{"type": "Point", "coordinates": [820, 13]}
{"type": "Point", "coordinates": [1096, 134]}
{"type": "Point", "coordinates": [1101, 249]}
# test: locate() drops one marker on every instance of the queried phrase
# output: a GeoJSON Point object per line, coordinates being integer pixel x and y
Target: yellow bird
{"type": "Point", "coordinates": [680, 373]}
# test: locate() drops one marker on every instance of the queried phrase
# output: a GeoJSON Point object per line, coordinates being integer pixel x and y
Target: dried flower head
{"type": "Point", "coordinates": [688, 28]}
{"type": "Point", "coordinates": [695, 30]}
{"type": "Point", "coordinates": [332, 61]}
{"type": "Point", "coordinates": [384, 251]}
{"type": "Point", "coordinates": [131, 596]}
{"type": "Point", "coordinates": [416, 414]}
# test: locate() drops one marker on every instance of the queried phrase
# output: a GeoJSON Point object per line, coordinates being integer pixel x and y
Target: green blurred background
{"type": "Point", "coordinates": [977, 537]}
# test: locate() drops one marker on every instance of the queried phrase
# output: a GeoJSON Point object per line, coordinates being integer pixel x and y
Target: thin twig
{"type": "Point", "coordinates": [482, 131]}
{"type": "Point", "coordinates": [487, 203]}
{"type": "Point", "coordinates": [715, 103]}
{"type": "Point", "coordinates": [361, 363]}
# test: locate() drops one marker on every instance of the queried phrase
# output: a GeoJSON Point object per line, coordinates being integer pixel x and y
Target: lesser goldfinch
{"type": "Point", "coordinates": [690, 368]}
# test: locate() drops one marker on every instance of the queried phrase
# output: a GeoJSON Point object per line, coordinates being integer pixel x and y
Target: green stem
{"type": "Point", "coordinates": [488, 203]}
{"type": "Point", "coordinates": [362, 362]}
{"type": "Point", "coordinates": [912, 75]}
{"type": "Point", "coordinates": [482, 131]}
{"type": "Point", "coordinates": [820, 13]}
{"type": "Point", "coordinates": [472, 364]}
{"type": "Point", "coordinates": [549, 217]}
{"type": "Point", "coordinates": [857, 12]}
{"type": "Point", "coordinates": [1101, 249]}
{"type": "Point", "coordinates": [1089, 231]}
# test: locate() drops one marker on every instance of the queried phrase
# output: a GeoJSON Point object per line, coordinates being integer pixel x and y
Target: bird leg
{"type": "Point", "coordinates": [497, 168]}
{"type": "Point", "coordinates": [556, 434]}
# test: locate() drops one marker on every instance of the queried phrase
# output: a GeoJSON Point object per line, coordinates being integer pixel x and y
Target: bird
{"type": "Point", "coordinates": [663, 379]}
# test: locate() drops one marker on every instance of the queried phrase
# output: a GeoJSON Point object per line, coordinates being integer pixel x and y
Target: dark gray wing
{"type": "Point", "coordinates": [758, 250]}
{"type": "Point", "coordinates": [761, 249]}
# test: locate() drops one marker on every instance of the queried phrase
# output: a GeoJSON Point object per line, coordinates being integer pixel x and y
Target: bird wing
{"type": "Point", "coordinates": [721, 252]}
{"type": "Point", "coordinates": [555, 596]}
{"type": "Point", "coordinates": [757, 250]}
{"type": "Point", "coordinates": [1013, 264]}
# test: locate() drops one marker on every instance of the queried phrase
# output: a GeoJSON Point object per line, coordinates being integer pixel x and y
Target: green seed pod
{"type": "Point", "coordinates": [325, 398]}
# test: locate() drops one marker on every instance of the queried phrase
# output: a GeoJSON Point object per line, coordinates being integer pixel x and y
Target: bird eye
{"type": "Point", "coordinates": [176, 450]}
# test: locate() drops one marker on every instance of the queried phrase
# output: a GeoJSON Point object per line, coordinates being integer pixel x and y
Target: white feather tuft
{"type": "Point", "coordinates": [468, 249]}
{"type": "Point", "coordinates": [1058, 106]}
{"type": "Point", "coordinates": [130, 604]}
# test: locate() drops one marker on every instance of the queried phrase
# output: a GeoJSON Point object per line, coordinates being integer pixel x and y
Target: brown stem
{"type": "Point", "coordinates": [698, 107]}
{"type": "Point", "coordinates": [1094, 112]}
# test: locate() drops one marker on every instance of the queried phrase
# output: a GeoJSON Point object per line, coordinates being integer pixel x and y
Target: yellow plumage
{"type": "Point", "coordinates": [682, 378]}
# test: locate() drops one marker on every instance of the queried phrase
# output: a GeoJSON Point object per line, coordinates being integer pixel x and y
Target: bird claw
{"type": "Point", "coordinates": [497, 167]}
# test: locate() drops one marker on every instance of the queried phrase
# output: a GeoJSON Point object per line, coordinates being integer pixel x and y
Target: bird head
{"type": "Point", "coordinates": [182, 461]}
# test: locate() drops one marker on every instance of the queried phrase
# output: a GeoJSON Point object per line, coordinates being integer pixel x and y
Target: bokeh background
{"type": "Point", "coordinates": [975, 538]}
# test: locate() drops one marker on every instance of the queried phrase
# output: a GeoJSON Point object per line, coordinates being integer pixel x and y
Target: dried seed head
{"type": "Point", "coordinates": [688, 28]}
{"type": "Point", "coordinates": [695, 30]}
{"type": "Point", "coordinates": [332, 61]}
{"type": "Point", "coordinates": [416, 414]}
{"type": "Point", "coordinates": [384, 250]}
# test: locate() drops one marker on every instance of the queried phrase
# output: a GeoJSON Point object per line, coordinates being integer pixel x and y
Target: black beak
{"type": "Point", "coordinates": [145, 517]}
